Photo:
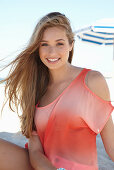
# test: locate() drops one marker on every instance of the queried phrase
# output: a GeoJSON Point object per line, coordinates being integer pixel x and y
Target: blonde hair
{"type": "Point", "coordinates": [29, 77]}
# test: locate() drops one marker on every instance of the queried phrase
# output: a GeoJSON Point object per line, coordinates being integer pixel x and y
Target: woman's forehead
{"type": "Point", "coordinates": [54, 32]}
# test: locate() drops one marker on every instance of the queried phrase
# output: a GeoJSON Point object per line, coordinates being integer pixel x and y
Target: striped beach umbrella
{"type": "Point", "coordinates": [100, 33]}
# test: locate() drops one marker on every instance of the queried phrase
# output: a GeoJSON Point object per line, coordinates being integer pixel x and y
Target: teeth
{"type": "Point", "coordinates": [53, 59]}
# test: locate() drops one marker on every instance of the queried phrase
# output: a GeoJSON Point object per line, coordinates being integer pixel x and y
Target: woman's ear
{"type": "Point", "coordinates": [71, 46]}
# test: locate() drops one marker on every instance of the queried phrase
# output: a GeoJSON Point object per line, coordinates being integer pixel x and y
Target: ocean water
{"type": "Point", "coordinates": [9, 121]}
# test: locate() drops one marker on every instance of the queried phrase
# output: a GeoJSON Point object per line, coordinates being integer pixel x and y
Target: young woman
{"type": "Point", "coordinates": [64, 107]}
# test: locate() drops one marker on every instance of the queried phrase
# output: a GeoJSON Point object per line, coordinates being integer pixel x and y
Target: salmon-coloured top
{"type": "Point", "coordinates": [68, 126]}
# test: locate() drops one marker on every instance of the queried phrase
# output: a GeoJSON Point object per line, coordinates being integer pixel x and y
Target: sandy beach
{"type": "Point", "coordinates": [10, 131]}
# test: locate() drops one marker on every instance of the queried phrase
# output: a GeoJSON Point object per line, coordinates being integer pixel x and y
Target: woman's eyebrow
{"type": "Point", "coordinates": [60, 40]}
{"type": "Point", "coordinates": [56, 40]}
{"type": "Point", "coordinates": [43, 41]}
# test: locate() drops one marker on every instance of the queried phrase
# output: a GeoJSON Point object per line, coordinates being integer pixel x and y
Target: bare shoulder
{"type": "Point", "coordinates": [97, 83]}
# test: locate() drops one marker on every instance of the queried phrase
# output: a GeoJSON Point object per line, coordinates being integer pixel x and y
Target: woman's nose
{"type": "Point", "coordinates": [52, 50]}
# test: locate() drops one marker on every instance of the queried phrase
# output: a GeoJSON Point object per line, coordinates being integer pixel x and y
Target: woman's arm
{"type": "Point", "coordinates": [98, 85]}
{"type": "Point", "coordinates": [37, 158]}
{"type": "Point", "coordinates": [107, 135]}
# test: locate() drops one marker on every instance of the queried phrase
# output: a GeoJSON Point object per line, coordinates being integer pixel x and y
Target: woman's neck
{"type": "Point", "coordinates": [59, 75]}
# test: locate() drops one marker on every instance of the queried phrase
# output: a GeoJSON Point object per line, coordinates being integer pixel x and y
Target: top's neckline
{"type": "Point", "coordinates": [43, 107]}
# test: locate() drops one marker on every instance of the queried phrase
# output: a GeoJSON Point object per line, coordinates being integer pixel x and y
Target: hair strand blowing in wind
{"type": "Point", "coordinates": [28, 78]}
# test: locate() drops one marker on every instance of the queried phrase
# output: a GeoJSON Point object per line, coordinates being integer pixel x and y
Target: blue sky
{"type": "Point", "coordinates": [19, 17]}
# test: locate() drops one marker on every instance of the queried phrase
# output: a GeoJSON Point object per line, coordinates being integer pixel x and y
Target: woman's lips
{"type": "Point", "coordinates": [53, 62]}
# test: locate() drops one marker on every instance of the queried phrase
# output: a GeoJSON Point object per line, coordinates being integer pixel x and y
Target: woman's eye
{"type": "Point", "coordinates": [60, 44]}
{"type": "Point", "coordinates": [44, 44]}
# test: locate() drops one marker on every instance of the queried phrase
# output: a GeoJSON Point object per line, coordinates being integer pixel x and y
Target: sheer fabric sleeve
{"type": "Point", "coordinates": [96, 110]}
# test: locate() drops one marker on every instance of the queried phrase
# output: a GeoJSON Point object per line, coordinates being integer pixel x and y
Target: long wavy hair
{"type": "Point", "coordinates": [28, 78]}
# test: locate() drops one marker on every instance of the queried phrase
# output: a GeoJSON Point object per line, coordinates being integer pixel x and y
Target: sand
{"type": "Point", "coordinates": [10, 131]}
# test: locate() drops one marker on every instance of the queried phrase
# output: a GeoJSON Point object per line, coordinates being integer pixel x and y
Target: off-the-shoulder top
{"type": "Point", "coordinates": [68, 126]}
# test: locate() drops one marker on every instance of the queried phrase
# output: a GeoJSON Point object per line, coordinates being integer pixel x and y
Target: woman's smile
{"type": "Point", "coordinates": [53, 60]}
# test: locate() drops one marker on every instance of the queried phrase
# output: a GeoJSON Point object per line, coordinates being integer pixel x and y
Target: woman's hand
{"type": "Point", "coordinates": [35, 143]}
{"type": "Point", "coordinates": [34, 147]}
{"type": "Point", "coordinates": [36, 153]}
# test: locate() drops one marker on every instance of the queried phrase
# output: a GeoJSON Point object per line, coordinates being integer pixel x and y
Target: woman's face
{"type": "Point", "coordinates": [54, 48]}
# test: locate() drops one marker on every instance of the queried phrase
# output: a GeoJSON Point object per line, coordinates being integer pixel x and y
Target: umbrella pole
{"type": "Point", "coordinates": [113, 71]}
{"type": "Point", "coordinates": [113, 50]}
